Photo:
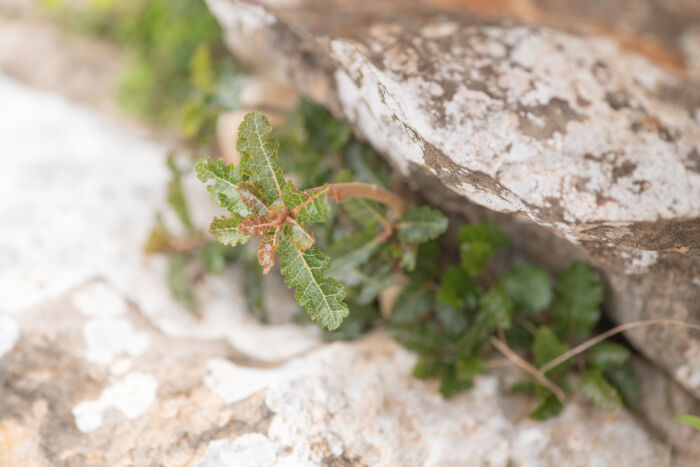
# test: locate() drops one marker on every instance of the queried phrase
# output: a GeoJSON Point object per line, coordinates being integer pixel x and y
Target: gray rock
{"type": "Point", "coordinates": [576, 136]}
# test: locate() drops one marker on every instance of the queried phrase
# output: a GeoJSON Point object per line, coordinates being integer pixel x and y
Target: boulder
{"type": "Point", "coordinates": [581, 130]}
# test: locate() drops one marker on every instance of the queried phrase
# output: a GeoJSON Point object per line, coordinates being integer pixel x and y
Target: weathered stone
{"type": "Point", "coordinates": [579, 135]}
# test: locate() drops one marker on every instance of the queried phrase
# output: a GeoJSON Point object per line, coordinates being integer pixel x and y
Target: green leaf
{"type": "Point", "coordinates": [348, 253]}
{"type": "Point", "coordinates": [364, 211]}
{"type": "Point", "coordinates": [424, 338]}
{"type": "Point", "coordinates": [223, 191]}
{"type": "Point", "coordinates": [179, 283]}
{"type": "Point", "coordinates": [360, 320]}
{"type": "Point", "coordinates": [315, 207]}
{"type": "Point", "coordinates": [457, 289]}
{"type": "Point", "coordinates": [451, 384]}
{"type": "Point", "coordinates": [158, 238]}
{"type": "Point", "coordinates": [627, 384]}
{"type": "Point", "coordinates": [576, 304]}
{"type": "Point", "coordinates": [455, 321]}
{"type": "Point", "coordinates": [321, 297]}
{"type": "Point", "coordinates": [546, 348]}
{"type": "Point", "coordinates": [428, 367]}
{"type": "Point", "coordinates": [523, 387]}
{"type": "Point", "coordinates": [548, 407]}
{"type": "Point", "coordinates": [496, 306]}
{"type": "Point", "coordinates": [528, 286]}
{"type": "Point", "coordinates": [469, 367]}
{"type": "Point", "coordinates": [225, 230]}
{"type": "Point", "coordinates": [260, 160]}
{"type": "Point", "coordinates": [607, 354]}
{"type": "Point", "coordinates": [251, 198]}
{"type": "Point", "coordinates": [477, 244]}
{"type": "Point", "coordinates": [421, 224]}
{"type": "Point", "coordinates": [299, 237]}
{"type": "Point", "coordinates": [369, 279]}
{"type": "Point", "coordinates": [427, 262]}
{"type": "Point", "coordinates": [414, 302]}
{"type": "Point", "coordinates": [201, 70]}
{"type": "Point", "coordinates": [598, 390]}
{"type": "Point", "coordinates": [253, 285]}
{"type": "Point", "coordinates": [176, 196]}
{"type": "Point", "coordinates": [691, 420]}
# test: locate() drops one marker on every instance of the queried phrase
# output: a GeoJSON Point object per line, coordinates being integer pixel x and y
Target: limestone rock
{"type": "Point", "coordinates": [588, 135]}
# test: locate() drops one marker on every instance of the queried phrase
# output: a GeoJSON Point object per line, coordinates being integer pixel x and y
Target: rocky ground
{"type": "Point", "coordinates": [99, 367]}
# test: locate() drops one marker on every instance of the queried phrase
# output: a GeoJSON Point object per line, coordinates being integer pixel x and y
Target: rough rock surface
{"type": "Point", "coordinates": [579, 136]}
{"type": "Point", "coordinates": [98, 367]}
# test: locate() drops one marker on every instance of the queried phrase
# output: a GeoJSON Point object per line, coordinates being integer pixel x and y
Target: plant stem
{"type": "Point", "coordinates": [609, 333]}
{"type": "Point", "coordinates": [369, 191]}
{"type": "Point", "coordinates": [537, 374]}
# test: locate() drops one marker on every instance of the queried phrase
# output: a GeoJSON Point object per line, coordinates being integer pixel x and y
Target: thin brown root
{"type": "Point", "coordinates": [609, 333]}
{"type": "Point", "coordinates": [525, 366]}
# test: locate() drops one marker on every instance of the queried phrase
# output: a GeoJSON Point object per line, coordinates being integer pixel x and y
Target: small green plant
{"type": "Point", "coordinates": [691, 420]}
{"type": "Point", "coordinates": [450, 314]}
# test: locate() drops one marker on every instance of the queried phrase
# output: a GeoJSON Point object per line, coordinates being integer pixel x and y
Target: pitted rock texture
{"type": "Point", "coordinates": [579, 134]}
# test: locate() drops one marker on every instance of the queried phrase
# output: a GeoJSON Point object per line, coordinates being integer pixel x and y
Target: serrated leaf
{"type": "Point", "coordinates": [414, 302]}
{"type": "Point", "coordinates": [496, 307]}
{"type": "Point", "coordinates": [528, 286]}
{"type": "Point", "coordinates": [225, 230]}
{"type": "Point", "coordinates": [576, 305]}
{"type": "Point", "coordinates": [548, 407]}
{"type": "Point", "coordinates": [421, 224]}
{"type": "Point", "coordinates": [252, 198]}
{"type": "Point", "coordinates": [321, 297]}
{"type": "Point", "coordinates": [223, 191]}
{"type": "Point", "coordinates": [691, 420]}
{"type": "Point", "coordinates": [469, 367]}
{"type": "Point", "coordinates": [598, 390]}
{"type": "Point", "coordinates": [607, 354]}
{"type": "Point", "coordinates": [266, 253]}
{"type": "Point", "coordinates": [419, 337]}
{"type": "Point", "coordinates": [312, 207]}
{"type": "Point", "coordinates": [347, 254]}
{"type": "Point", "coordinates": [260, 160]}
{"type": "Point", "coordinates": [299, 237]}
{"type": "Point", "coordinates": [457, 289]}
{"type": "Point", "coordinates": [546, 348]}
{"type": "Point", "coordinates": [258, 224]}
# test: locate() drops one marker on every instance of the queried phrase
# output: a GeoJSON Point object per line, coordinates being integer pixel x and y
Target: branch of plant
{"type": "Point", "coordinates": [367, 190]}
{"type": "Point", "coordinates": [539, 375]}
{"type": "Point", "coordinates": [609, 333]}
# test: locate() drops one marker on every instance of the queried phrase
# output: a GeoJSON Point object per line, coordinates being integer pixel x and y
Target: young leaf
{"type": "Point", "coordinates": [457, 289]}
{"type": "Point", "coordinates": [312, 207]}
{"type": "Point", "coordinates": [225, 230]}
{"type": "Point", "coordinates": [415, 301]}
{"type": "Point", "coordinates": [528, 286]}
{"type": "Point", "coordinates": [598, 390]}
{"type": "Point", "coordinates": [321, 297]}
{"type": "Point", "coordinates": [608, 354]}
{"type": "Point", "coordinates": [299, 237]}
{"type": "Point", "coordinates": [546, 348]}
{"type": "Point", "coordinates": [258, 224]}
{"type": "Point", "coordinates": [266, 253]}
{"type": "Point", "coordinates": [224, 191]}
{"type": "Point", "coordinates": [252, 198]}
{"type": "Point", "coordinates": [260, 161]}
{"type": "Point", "coordinates": [691, 420]}
{"type": "Point", "coordinates": [421, 224]}
{"type": "Point", "coordinates": [496, 306]}
{"type": "Point", "coordinates": [577, 298]}
{"type": "Point", "coordinates": [348, 253]}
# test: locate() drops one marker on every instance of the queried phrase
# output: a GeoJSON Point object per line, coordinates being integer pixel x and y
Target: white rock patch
{"type": "Point", "coordinates": [132, 396]}
{"type": "Point", "coordinates": [99, 300]}
{"type": "Point", "coordinates": [9, 334]}
{"type": "Point", "coordinates": [248, 450]}
{"type": "Point", "coordinates": [107, 338]}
